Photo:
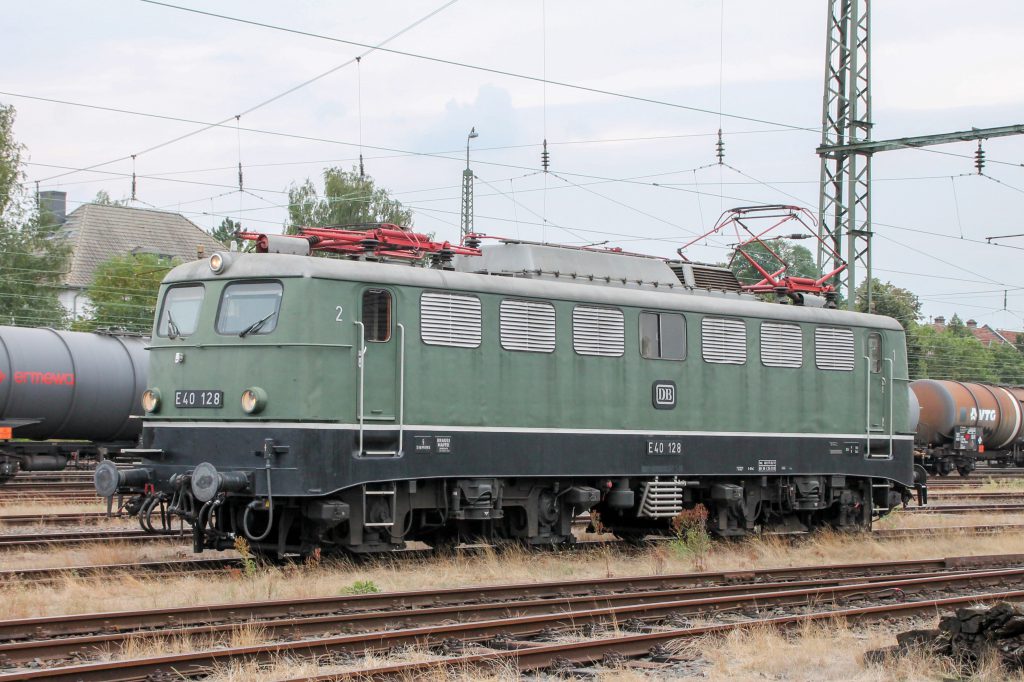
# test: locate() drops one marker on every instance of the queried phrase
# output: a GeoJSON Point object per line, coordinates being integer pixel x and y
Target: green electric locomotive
{"type": "Point", "coordinates": [359, 403]}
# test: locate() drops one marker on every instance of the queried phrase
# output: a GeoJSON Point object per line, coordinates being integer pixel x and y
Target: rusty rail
{"type": "Point", "coordinates": [432, 625]}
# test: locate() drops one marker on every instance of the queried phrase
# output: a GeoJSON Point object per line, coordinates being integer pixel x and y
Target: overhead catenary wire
{"type": "Point", "coordinates": [500, 72]}
{"type": "Point", "coordinates": [668, 240]}
{"type": "Point", "coordinates": [285, 93]}
{"type": "Point", "coordinates": [310, 138]}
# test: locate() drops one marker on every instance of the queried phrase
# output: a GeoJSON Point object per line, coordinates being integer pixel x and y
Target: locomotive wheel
{"type": "Point", "coordinates": [964, 471]}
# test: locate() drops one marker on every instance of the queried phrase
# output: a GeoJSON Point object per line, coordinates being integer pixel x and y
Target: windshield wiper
{"type": "Point", "coordinates": [172, 329]}
{"type": "Point", "coordinates": [255, 326]}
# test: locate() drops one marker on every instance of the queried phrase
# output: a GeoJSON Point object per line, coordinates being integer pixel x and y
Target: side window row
{"type": "Point", "coordinates": [455, 320]}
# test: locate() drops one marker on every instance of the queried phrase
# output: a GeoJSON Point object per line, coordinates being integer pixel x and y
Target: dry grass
{"type": "Point", "coordinates": [897, 519]}
{"type": "Point", "coordinates": [334, 577]}
{"type": "Point", "coordinates": [41, 526]}
{"type": "Point", "coordinates": [825, 651]}
{"type": "Point", "coordinates": [93, 554]}
{"type": "Point", "coordinates": [286, 668]}
{"type": "Point", "coordinates": [12, 506]}
{"type": "Point", "coordinates": [996, 485]}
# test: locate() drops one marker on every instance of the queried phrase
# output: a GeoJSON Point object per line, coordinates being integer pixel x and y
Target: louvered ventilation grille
{"type": "Point", "coordinates": [706, 277]}
{"type": "Point", "coordinates": [527, 326]}
{"type": "Point", "coordinates": [677, 269]}
{"type": "Point", "coordinates": [781, 345]}
{"type": "Point", "coordinates": [723, 341]}
{"type": "Point", "coordinates": [450, 320]}
{"type": "Point", "coordinates": [833, 348]}
{"type": "Point", "coordinates": [598, 331]}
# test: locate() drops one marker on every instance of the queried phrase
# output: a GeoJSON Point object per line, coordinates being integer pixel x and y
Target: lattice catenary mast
{"type": "Point", "coordinates": [844, 208]}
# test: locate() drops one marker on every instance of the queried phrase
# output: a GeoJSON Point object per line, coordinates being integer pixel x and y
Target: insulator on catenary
{"type": "Point", "coordinates": [720, 148]}
{"type": "Point", "coordinates": [979, 158]}
{"type": "Point", "coordinates": [545, 157]}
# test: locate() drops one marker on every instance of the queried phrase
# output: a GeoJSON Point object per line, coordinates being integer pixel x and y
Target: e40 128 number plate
{"type": "Point", "coordinates": [198, 398]}
{"type": "Point", "coordinates": [664, 447]}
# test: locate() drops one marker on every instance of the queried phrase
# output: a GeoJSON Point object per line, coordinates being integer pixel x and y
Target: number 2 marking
{"type": "Point", "coordinates": [339, 309]}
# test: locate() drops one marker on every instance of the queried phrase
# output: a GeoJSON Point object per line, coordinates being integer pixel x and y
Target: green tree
{"type": "Point", "coordinates": [1007, 364]}
{"type": "Point", "coordinates": [800, 260]}
{"type": "Point", "coordinates": [348, 199]}
{"type": "Point", "coordinates": [103, 199]}
{"type": "Point", "coordinates": [33, 255]}
{"type": "Point", "coordinates": [947, 355]}
{"type": "Point", "coordinates": [225, 232]}
{"type": "Point", "coordinates": [956, 327]}
{"type": "Point", "coordinates": [123, 293]}
{"type": "Point", "coordinates": [889, 300]}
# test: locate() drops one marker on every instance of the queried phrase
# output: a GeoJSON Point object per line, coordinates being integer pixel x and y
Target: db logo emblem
{"type": "Point", "coordinates": [663, 395]}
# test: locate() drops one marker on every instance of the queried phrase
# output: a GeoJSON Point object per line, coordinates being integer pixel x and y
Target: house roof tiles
{"type": "Point", "coordinates": [98, 232]}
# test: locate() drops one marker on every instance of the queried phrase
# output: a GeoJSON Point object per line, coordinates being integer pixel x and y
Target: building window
{"type": "Point", "coordinates": [450, 320]}
{"type": "Point", "coordinates": [180, 313]}
{"type": "Point", "coordinates": [833, 348]}
{"type": "Point", "coordinates": [723, 341]}
{"type": "Point", "coordinates": [662, 336]}
{"type": "Point", "coordinates": [527, 326]}
{"type": "Point", "coordinates": [782, 345]}
{"type": "Point", "coordinates": [598, 331]}
{"type": "Point", "coordinates": [875, 352]}
{"type": "Point", "coordinates": [249, 308]}
{"type": "Point", "coordinates": [377, 314]}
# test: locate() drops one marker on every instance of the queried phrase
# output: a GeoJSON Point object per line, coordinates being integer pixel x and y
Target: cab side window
{"type": "Point", "coordinates": [377, 315]}
{"type": "Point", "coordinates": [875, 352]}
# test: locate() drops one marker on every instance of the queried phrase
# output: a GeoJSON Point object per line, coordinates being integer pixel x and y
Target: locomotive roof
{"type": "Point", "coordinates": [260, 266]}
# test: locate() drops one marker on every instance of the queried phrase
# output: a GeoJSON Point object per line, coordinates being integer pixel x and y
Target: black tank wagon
{"type": "Point", "coordinates": [65, 395]}
{"type": "Point", "coordinates": [308, 402]}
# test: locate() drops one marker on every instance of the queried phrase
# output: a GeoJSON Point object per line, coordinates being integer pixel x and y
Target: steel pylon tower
{"type": "Point", "coordinates": [467, 191]}
{"type": "Point", "coordinates": [844, 209]}
{"type": "Point", "coordinates": [467, 203]}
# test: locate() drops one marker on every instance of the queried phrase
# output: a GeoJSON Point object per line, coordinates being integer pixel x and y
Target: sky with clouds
{"type": "Point", "coordinates": [639, 175]}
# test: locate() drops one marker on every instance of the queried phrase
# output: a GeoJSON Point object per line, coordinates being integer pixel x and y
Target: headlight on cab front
{"type": "Point", "coordinates": [254, 400]}
{"type": "Point", "coordinates": [151, 400]}
{"type": "Point", "coordinates": [218, 263]}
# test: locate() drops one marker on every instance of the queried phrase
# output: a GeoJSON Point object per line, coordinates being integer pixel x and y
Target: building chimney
{"type": "Point", "coordinates": [940, 321]}
{"type": "Point", "coordinates": [972, 324]}
{"type": "Point", "coordinates": [56, 204]}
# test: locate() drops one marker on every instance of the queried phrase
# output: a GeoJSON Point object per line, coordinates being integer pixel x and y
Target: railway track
{"type": "Point", "coordinates": [73, 519]}
{"type": "Point", "coordinates": [36, 540]}
{"type": "Point", "coordinates": [652, 645]}
{"type": "Point", "coordinates": [940, 530]}
{"type": "Point", "coordinates": [46, 576]}
{"type": "Point", "coordinates": [175, 567]}
{"type": "Point", "coordinates": [17, 488]}
{"type": "Point", "coordinates": [507, 619]}
{"type": "Point", "coordinates": [975, 495]}
{"type": "Point", "coordinates": [65, 476]}
{"type": "Point", "coordinates": [966, 509]}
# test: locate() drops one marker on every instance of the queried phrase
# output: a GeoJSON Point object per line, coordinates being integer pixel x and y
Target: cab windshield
{"type": "Point", "coordinates": [179, 314]}
{"type": "Point", "coordinates": [249, 308]}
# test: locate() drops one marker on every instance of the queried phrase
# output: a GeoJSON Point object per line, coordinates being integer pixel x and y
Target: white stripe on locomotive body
{"type": "Point", "coordinates": [503, 429]}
